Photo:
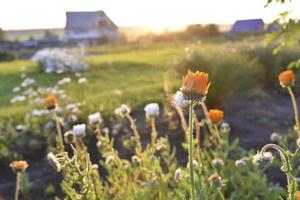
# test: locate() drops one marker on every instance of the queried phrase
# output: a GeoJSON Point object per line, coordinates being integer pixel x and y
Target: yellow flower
{"type": "Point", "coordinates": [287, 78]}
{"type": "Point", "coordinates": [19, 165]}
{"type": "Point", "coordinates": [51, 102]}
{"type": "Point", "coordinates": [215, 115]}
{"type": "Point", "coordinates": [195, 83]}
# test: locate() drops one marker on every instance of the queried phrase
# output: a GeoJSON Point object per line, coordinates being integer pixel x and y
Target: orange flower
{"type": "Point", "coordinates": [215, 115]}
{"type": "Point", "coordinates": [213, 177]}
{"type": "Point", "coordinates": [298, 195]}
{"type": "Point", "coordinates": [19, 165]}
{"type": "Point", "coordinates": [287, 78]}
{"type": "Point", "coordinates": [195, 83]}
{"type": "Point", "coordinates": [50, 102]}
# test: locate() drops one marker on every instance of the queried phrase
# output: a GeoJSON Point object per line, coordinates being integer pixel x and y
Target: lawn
{"type": "Point", "coordinates": [129, 74]}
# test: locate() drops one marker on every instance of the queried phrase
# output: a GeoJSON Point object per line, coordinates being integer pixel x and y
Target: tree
{"type": "Point", "coordinates": [195, 30]}
{"type": "Point", "coordinates": [212, 30]}
{"type": "Point", "coordinates": [47, 33]}
{"type": "Point", "coordinates": [2, 34]}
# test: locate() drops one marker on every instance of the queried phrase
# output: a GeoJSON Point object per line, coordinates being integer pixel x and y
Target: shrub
{"type": "Point", "coordinates": [7, 56]}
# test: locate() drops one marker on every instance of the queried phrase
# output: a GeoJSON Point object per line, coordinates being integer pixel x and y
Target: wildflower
{"type": "Point", "coordinates": [178, 175]}
{"type": "Point", "coordinates": [135, 160]}
{"type": "Point", "coordinates": [18, 98]}
{"type": "Point", "coordinates": [51, 102]}
{"type": "Point", "coordinates": [218, 163]}
{"type": "Point", "coordinates": [215, 115]}
{"type": "Point", "coordinates": [194, 86]}
{"type": "Point", "coordinates": [69, 137]}
{"type": "Point", "coordinates": [195, 164]}
{"type": "Point", "coordinates": [215, 180]}
{"type": "Point", "coordinates": [19, 166]}
{"type": "Point", "coordinates": [152, 110]}
{"type": "Point", "coordinates": [16, 89]}
{"type": "Point", "coordinates": [240, 163]}
{"type": "Point", "coordinates": [275, 137]}
{"type": "Point", "coordinates": [82, 80]}
{"type": "Point", "coordinates": [287, 78]}
{"type": "Point", "coordinates": [79, 130]}
{"type": "Point", "coordinates": [260, 159]}
{"type": "Point", "coordinates": [225, 128]}
{"type": "Point", "coordinates": [53, 162]}
{"type": "Point", "coordinates": [179, 101]}
{"type": "Point", "coordinates": [73, 108]}
{"type": "Point", "coordinates": [95, 118]}
{"type": "Point", "coordinates": [21, 128]}
{"type": "Point", "coordinates": [298, 195]}
{"type": "Point", "coordinates": [122, 111]}
{"type": "Point", "coordinates": [64, 81]}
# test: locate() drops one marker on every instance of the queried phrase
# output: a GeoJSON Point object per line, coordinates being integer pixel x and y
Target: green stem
{"type": "Point", "coordinates": [18, 179]}
{"type": "Point", "coordinates": [136, 135]}
{"type": "Point", "coordinates": [60, 143]}
{"type": "Point", "coordinates": [221, 194]}
{"type": "Point", "coordinates": [153, 131]}
{"type": "Point", "coordinates": [295, 110]}
{"type": "Point", "coordinates": [191, 147]}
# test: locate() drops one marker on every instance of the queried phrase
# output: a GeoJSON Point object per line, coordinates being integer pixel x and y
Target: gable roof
{"type": "Point", "coordinates": [248, 25]}
{"type": "Point", "coordinates": [84, 20]}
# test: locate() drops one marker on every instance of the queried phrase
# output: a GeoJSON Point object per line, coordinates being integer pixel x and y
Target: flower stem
{"type": "Point", "coordinates": [18, 179]}
{"type": "Point", "coordinates": [153, 131]}
{"type": "Point", "coordinates": [191, 147]}
{"type": "Point", "coordinates": [136, 135]}
{"type": "Point", "coordinates": [295, 110]}
{"type": "Point", "coordinates": [221, 194]}
{"type": "Point", "coordinates": [59, 141]}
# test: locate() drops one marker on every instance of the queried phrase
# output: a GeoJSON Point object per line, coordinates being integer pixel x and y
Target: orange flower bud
{"type": "Point", "coordinates": [215, 115]}
{"type": "Point", "coordinates": [19, 166]}
{"type": "Point", "coordinates": [51, 102]}
{"type": "Point", "coordinates": [195, 83]}
{"type": "Point", "coordinates": [287, 78]}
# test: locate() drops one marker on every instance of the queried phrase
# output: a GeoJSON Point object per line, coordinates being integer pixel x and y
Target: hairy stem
{"type": "Point", "coordinates": [295, 110]}
{"type": "Point", "coordinates": [60, 143]}
{"type": "Point", "coordinates": [191, 147]}
{"type": "Point", "coordinates": [136, 135]}
{"type": "Point", "coordinates": [18, 179]}
{"type": "Point", "coordinates": [153, 131]}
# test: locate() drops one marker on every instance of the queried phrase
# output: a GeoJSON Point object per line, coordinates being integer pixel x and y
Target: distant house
{"type": "Point", "coordinates": [90, 27]}
{"type": "Point", "coordinates": [248, 25]}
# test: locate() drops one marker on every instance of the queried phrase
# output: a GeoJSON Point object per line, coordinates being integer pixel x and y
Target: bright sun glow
{"type": "Point", "coordinates": [156, 14]}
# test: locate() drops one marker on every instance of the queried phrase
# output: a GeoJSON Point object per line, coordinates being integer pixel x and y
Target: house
{"type": "Point", "coordinates": [90, 28]}
{"type": "Point", "coordinates": [248, 25]}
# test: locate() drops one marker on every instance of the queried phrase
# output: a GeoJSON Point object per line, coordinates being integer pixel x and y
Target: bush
{"type": "Point", "coordinates": [230, 72]}
{"type": "Point", "coordinates": [7, 56]}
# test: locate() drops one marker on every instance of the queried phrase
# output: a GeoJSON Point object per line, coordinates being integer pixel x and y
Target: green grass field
{"type": "Point", "coordinates": [128, 74]}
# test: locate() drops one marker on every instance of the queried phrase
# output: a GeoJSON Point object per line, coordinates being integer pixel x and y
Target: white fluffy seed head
{"type": "Point", "coordinates": [122, 110]}
{"type": "Point", "coordinates": [179, 101]}
{"type": "Point", "coordinates": [95, 118]}
{"type": "Point", "coordinates": [79, 130]}
{"type": "Point", "coordinates": [152, 110]}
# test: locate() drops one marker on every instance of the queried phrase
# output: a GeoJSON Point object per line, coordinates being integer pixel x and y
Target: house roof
{"type": "Point", "coordinates": [84, 20]}
{"type": "Point", "coordinates": [248, 25]}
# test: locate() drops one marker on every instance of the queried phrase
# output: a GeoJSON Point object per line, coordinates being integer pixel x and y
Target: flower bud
{"type": "Point", "coordinates": [109, 160]}
{"type": "Point", "coordinates": [262, 159]}
{"type": "Point", "coordinates": [287, 78]}
{"type": "Point", "coordinates": [135, 160]}
{"type": "Point", "coordinates": [53, 162]}
{"type": "Point", "coordinates": [195, 164]}
{"type": "Point", "coordinates": [275, 137]}
{"type": "Point", "coordinates": [218, 163]}
{"type": "Point", "coordinates": [178, 175]}
{"type": "Point", "coordinates": [122, 111]}
{"type": "Point", "coordinates": [69, 137]}
{"type": "Point", "coordinates": [215, 180]}
{"type": "Point", "coordinates": [240, 163]}
{"type": "Point", "coordinates": [225, 128]}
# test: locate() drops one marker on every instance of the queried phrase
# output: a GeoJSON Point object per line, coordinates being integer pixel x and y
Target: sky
{"type": "Point", "coordinates": [37, 14]}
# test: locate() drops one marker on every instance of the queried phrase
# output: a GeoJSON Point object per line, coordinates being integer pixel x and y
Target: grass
{"type": "Point", "coordinates": [128, 74]}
